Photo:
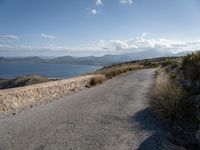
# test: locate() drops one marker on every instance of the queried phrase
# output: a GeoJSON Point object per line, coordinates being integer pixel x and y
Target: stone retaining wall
{"type": "Point", "coordinates": [12, 99]}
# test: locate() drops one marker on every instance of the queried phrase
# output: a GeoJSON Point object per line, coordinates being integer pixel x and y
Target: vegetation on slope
{"type": "Point", "coordinates": [111, 71]}
{"type": "Point", "coordinates": [116, 69]}
{"type": "Point", "coordinates": [191, 69]}
{"type": "Point", "coordinates": [176, 99]}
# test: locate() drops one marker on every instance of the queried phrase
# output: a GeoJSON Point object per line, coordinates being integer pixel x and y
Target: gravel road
{"type": "Point", "coordinates": [111, 116]}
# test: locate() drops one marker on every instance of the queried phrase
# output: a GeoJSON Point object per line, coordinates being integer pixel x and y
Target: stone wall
{"type": "Point", "coordinates": [12, 99]}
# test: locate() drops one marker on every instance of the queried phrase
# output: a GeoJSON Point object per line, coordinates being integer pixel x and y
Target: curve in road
{"type": "Point", "coordinates": [111, 116]}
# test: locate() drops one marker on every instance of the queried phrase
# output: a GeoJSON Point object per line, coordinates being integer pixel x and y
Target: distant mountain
{"type": "Point", "coordinates": [92, 60]}
{"type": "Point", "coordinates": [22, 60]}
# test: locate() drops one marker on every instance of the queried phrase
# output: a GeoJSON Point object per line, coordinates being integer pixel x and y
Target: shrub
{"type": "Point", "coordinates": [96, 80]}
{"type": "Point", "coordinates": [191, 67]}
{"type": "Point", "coordinates": [151, 64]}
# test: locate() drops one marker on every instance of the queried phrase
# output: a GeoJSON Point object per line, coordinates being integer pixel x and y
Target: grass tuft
{"type": "Point", "coordinates": [96, 80]}
{"type": "Point", "coordinates": [191, 67]}
{"type": "Point", "coordinates": [169, 99]}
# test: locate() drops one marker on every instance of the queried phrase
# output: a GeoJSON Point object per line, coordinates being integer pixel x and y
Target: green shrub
{"type": "Point", "coordinates": [151, 64]}
{"type": "Point", "coordinates": [191, 67]}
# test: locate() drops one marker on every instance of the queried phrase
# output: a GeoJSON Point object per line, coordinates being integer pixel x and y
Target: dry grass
{"type": "Point", "coordinates": [173, 104]}
{"type": "Point", "coordinates": [112, 71]}
{"type": "Point", "coordinates": [96, 80]}
{"type": "Point", "coordinates": [115, 70]}
{"type": "Point", "coordinates": [168, 100]}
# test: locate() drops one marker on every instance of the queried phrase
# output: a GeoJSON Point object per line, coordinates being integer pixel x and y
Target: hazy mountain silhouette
{"type": "Point", "coordinates": [92, 60]}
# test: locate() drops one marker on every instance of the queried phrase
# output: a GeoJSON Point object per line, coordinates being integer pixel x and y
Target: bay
{"type": "Point", "coordinates": [59, 71]}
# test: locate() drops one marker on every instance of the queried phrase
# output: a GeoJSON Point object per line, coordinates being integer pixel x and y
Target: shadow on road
{"type": "Point", "coordinates": [145, 121]}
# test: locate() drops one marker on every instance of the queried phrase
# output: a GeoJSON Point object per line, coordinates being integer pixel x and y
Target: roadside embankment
{"type": "Point", "coordinates": [176, 99]}
{"type": "Point", "coordinates": [21, 97]}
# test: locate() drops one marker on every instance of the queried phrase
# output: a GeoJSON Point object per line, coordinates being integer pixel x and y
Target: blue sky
{"type": "Point", "coordinates": [97, 27]}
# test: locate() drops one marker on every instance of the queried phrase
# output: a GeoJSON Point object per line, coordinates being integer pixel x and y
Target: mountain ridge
{"type": "Point", "coordinates": [93, 60]}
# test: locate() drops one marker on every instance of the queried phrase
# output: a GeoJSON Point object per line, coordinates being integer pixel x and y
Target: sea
{"type": "Point", "coordinates": [53, 71]}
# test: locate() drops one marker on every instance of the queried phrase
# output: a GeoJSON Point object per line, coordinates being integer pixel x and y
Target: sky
{"type": "Point", "coordinates": [97, 27]}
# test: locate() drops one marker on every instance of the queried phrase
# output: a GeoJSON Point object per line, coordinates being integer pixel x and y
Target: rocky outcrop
{"type": "Point", "coordinates": [12, 99]}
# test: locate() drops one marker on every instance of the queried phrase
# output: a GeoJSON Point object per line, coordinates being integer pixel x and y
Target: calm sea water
{"type": "Point", "coordinates": [47, 70]}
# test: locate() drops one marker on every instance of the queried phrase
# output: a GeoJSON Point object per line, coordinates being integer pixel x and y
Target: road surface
{"type": "Point", "coordinates": [111, 116]}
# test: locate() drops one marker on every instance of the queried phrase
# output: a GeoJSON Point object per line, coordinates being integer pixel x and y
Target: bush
{"type": "Point", "coordinates": [191, 67]}
{"type": "Point", "coordinates": [96, 80]}
{"type": "Point", "coordinates": [151, 64]}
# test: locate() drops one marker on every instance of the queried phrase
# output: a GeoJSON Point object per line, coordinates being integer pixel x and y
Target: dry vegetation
{"type": "Point", "coordinates": [168, 98]}
{"type": "Point", "coordinates": [176, 99]}
{"type": "Point", "coordinates": [115, 70]}
{"type": "Point", "coordinates": [96, 80]}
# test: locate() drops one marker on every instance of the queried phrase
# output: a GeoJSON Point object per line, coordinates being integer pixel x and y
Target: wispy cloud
{"type": "Point", "coordinates": [9, 38]}
{"type": "Point", "coordinates": [47, 36]}
{"type": "Point", "coordinates": [14, 37]}
{"type": "Point", "coordinates": [94, 10]}
{"type": "Point", "coordinates": [126, 1]}
{"type": "Point", "coordinates": [144, 34]}
{"type": "Point", "coordinates": [99, 2]}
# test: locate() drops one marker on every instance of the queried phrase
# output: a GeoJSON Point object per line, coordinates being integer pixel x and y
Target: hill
{"type": "Point", "coordinates": [22, 81]}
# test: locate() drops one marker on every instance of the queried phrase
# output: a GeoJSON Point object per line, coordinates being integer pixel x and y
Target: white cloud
{"type": "Point", "coordinates": [99, 2]}
{"type": "Point", "coordinates": [117, 46]}
{"type": "Point", "coordinates": [47, 36]}
{"type": "Point", "coordinates": [126, 1]}
{"type": "Point", "coordinates": [142, 43]}
{"type": "Point", "coordinates": [93, 12]}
